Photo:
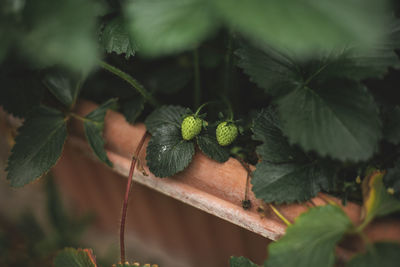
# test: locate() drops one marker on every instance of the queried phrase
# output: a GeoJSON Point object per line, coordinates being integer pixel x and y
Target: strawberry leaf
{"type": "Point", "coordinates": [50, 35]}
{"type": "Point", "coordinates": [63, 85]}
{"type": "Point", "coordinates": [357, 64]}
{"type": "Point", "coordinates": [165, 115]}
{"type": "Point", "coordinates": [169, 26]}
{"type": "Point", "coordinates": [94, 124]}
{"type": "Point", "coordinates": [115, 38]}
{"type": "Point", "coordinates": [290, 182]}
{"type": "Point", "coordinates": [306, 26]}
{"type": "Point", "coordinates": [379, 254]}
{"type": "Point", "coordinates": [285, 174]}
{"type": "Point", "coordinates": [338, 118]}
{"type": "Point", "coordinates": [167, 152]}
{"type": "Point", "coordinates": [269, 69]}
{"type": "Point", "coordinates": [208, 145]}
{"type": "Point", "coordinates": [38, 146]}
{"type": "Point", "coordinates": [279, 71]}
{"type": "Point", "coordinates": [275, 147]}
{"type": "Point", "coordinates": [377, 201]}
{"type": "Point", "coordinates": [311, 240]}
{"type": "Point", "coordinates": [133, 107]}
{"type": "Point", "coordinates": [75, 257]}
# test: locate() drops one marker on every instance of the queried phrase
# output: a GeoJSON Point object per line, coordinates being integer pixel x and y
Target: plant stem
{"type": "Point", "coordinates": [126, 198]}
{"type": "Point", "coordinates": [129, 79]}
{"type": "Point", "coordinates": [197, 88]}
{"type": "Point", "coordinates": [83, 119]}
{"type": "Point", "coordinates": [78, 117]}
{"type": "Point", "coordinates": [364, 224]}
{"type": "Point", "coordinates": [202, 106]}
{"type": "Point", "coordinates": [245, 165]}
{"type": "Point", "coordinates": [280, 215]}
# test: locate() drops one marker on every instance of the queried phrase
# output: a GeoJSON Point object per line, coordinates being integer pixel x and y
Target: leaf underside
{"type": "Point", "coordinates": [94, 125]}
{"type": "Point", "coordinates": [115, 38]}
{"type": "Point", "coordinates": [311, 240]}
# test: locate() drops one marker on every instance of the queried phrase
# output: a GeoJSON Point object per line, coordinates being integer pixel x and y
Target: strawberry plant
{"type": "Point", "coordinates": [304, 90]}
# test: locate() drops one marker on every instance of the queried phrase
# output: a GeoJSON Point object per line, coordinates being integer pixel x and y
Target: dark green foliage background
{"type": "Point", "coordinates": [314, 85]}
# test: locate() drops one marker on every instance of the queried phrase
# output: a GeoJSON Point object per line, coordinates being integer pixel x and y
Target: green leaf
{"type": "Point", "coordinates": [208, 145]}
{"type": "Point", "coordinates": [392, 179]}
{"type": "Point", "coordinates": [60, 33]}
{"type": "Point", "coordinates": [170, 26]}
{"type": "Point", "coordinates": [133, 107]}
{"type": "Point", "coordinates": [358, 64]}
{"type": "Point", "coordinates": [165, 115]}
{"type": "Point", "coordinates": [269, 69]}
{"type": "Point", "coordinates": [338, 118]}
{"type": "Point", "coordinates": [391, 129]}
{"type": "Point", "coordinates": [334, 117]}
{"type": "Point", "coordinates": [290, 182]}
{"type": "Point", "coordinates": [285, 174]}
{"type": "Point", "coordinates": [279, 71]}
{"type": "Point", "coordinates": [167, 152]}
{"type": "Point", "coordinates": [275, 147]}
{"type": "Point", "coordinates": [311, 240]}
{"type": "Point", "coordinates": [377, 201]}
{"type": "Point", "coordinates": [241, 262]}
{"type": "Point", "coordinates": [379, 254]}
{"type": "Point", "coordinates": [115, 38]}
{"type": "Point", "coordinates": [94, 124]}
{"type": "Point", "coordinates": [38, 146]}
{"type": "Point", "coordinates": [71, 257]}
{"type": "Point", "coordinates": [306, 26]}
{"type": "Point", "coordinates": [63, 85]}
{"type": "Point", "coordinates": [20, 92]}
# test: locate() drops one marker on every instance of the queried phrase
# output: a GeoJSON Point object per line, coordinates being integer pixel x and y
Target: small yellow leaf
{"type": "Point", "coordinates": [377, 200]}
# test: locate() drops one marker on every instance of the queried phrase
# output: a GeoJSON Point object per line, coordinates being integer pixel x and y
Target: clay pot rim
{"type": "Point", "coordinates": [213, 187]}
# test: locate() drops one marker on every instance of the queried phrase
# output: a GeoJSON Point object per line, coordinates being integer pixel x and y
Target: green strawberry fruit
{"type": "Point", "coordinates": [191, 126]}
{"type": "Point", "coordinates": [226, 133]}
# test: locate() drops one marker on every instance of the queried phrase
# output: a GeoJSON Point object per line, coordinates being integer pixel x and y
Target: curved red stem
{"type": "Point", "coordinates": [126, 198]}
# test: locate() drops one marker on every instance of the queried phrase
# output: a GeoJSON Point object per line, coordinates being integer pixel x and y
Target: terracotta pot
{"type": "Point", "coordinates": [185, 234]}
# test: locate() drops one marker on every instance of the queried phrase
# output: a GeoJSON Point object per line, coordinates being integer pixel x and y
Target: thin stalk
{"type": "Point", "coordinates": [126, 198]}
{"type": "Point", "coordinates": [129, 79]}
{"type": "Point", "coordinates": [203, 105]}
{"type": "Point", "coordinates": [78, 117]}
{"type": "Point", "coordinates": [197, 88]}
{"type": "Point", "coordinates": [364, 224]}
{"type": "Point", "coordinates": [82, 119]}
{"type": "Point", "coordinates": [245, 165]}
{"type": "Point", "coordinates": [280, 215]}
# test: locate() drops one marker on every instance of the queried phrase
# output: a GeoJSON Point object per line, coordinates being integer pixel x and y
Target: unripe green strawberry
{"type": "Point", "coordinates": [226, 133]}
{"type": "Point", "coordinates": [191, 126]}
